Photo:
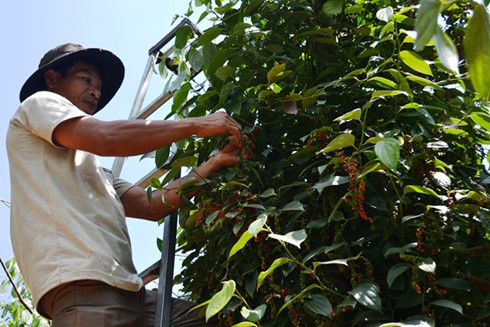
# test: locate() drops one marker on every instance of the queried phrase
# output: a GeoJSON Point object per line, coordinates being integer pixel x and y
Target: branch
{"type": "Point", "coordinates": [15, 287]}
{"type": "Point", "coordinates": [5, 202]}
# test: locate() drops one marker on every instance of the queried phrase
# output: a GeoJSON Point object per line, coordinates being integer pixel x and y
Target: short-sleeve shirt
{"type": "Point", "coordinates": [67, 221]}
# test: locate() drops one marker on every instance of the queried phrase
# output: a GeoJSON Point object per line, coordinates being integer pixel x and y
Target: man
{"type": "Point", "coordinates": [68, 214]}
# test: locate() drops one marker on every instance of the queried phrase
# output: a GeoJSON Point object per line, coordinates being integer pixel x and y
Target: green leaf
{"type": "Point", "coordinates": [252, 7]}
{"type": "Point", "coordinates": [419, 189]}
{"type": "Point", "coordinates": [246, 236]}
{"type": "Point", "coordinates": [383, 82]}
{"type": "Point", "coordinates": [277, 73]}
{"type": "Point", "coordinates": [403, 249]}
{"type": "Point", "coordinates": [209, 35]}
{"type": "Point", "coordinates": [293, 206]}
{"type": "Point", "coordinates": [219, 59]}
{"type": "Point", "coordinates": [367, 295]}
{"type": "Point", "coordinates": [323, 249]}
{"type": "Point", "coordinates": [448, 304]}
{"type": "Point", "coordinates": [254, 315]}
{"type": "Point", "coordinates": [344, 262]}
{"type": "Point", "coordinates": [220, 299]}
{"type": "Point", "coordinates": [224, 72]}
{"type": "Point", "coordinates": [182, 35]}
{"type": "Point", "coordinates": [354, 114]}
{"type": "Point", "coordinates": [299, 296]}
{"type": "Point", "coordinates": [414, 321]}
{"type": "Point", "coordinates": [188, 161]}
{"type": "Point", "coordinates": [426, 22]}
{"type": "Point", "coordinates": [396, 271]}
{"type": "Point", "coordinates": [340, 142]}
{"type": "Point", "coordinates": [388, 151]}
{"type": "Point", "coordinates": [415, 61]}
{"type": "Point", "coordinates": [319, 304]}
{"type": "Point", "coordinates": [195, 59]}
{"type": "Point", "coordinates": [481, 119]}
{"type": "Point", "coordinates": [427, 265]}
{"type": "Point", "coordinates": [208, 53]}
{"type": "Point", "coordinates": [384, 14]}
{"type": "Point", "coordinates": [149, 194]}
{"type": "Point", "coordinates": [422, 81]}
{"type": "Point", "coordinates": [330, 180]}
{"type": "Point", "coordinates": [455, 283]}
{"type": "Point", "coordinates": [332, 7]}
{"type": "Point", "coordinates": [477, 50]}
{"type": "Point", "coordinates": [446, 50]}
{"type": "Point", "coordinates": [181, 96]}
{"type": "Point", "coordinates": [234, 105]}
{"type": "Point", "coordinates": [277, 263]}
{"type": "Point", "coordinates": [170, 175]}
{"type": "Point", "coordinates": [374, 139]}
{"type": "Point", "coordinates": [386, 93]}
{"type": "Point", "coordinates": [295, 238]}
{"type": "Point", "coordinates": [4, 287]}
{"type": "Point", "coordinates": [245, 324]}
{"type": "Point", "coordinates": [257, 225]}
{"type": "Point", "coordinates": [410, 217]}
{"type": "Point", "coordinates": [212, 216]}
{"type": "Point", "coordinates": [369, 168]}
{"type": "Point", "coordinates": [162, 155]}
{"type": "Point", "coordinates": [268, 193]}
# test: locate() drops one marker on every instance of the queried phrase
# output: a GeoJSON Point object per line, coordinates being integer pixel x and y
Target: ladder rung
{"type": "Point", "coordinates": [145, 181]}
{"type": "Point", "coordinates": [151, 273]}
{"type": "Point", "coordinates": [152, 107]}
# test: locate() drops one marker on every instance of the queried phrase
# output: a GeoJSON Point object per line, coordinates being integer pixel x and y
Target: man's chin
{"type": "Point", "coordinates": [87, 109]}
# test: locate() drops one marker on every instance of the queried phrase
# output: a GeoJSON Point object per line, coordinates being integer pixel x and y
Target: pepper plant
{"type": "Point", "coordinates": [16, 307]}
{"type": "Point", "coordinates": [366, 203]}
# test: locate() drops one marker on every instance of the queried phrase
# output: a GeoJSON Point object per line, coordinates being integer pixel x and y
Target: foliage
{"type": "Point", "coordinates": [366, 203]}
{"type": "Point", "coordinates": [14, 313]}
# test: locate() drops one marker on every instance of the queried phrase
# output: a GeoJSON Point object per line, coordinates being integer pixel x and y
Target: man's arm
{"type": "Point", "coordinates": [133, 137]}
{"type": "Point", "coordinates": [135, 201]}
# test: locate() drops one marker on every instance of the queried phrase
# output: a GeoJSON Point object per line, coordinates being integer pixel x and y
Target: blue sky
{"type": "Point", "coordinates": [127, 28]}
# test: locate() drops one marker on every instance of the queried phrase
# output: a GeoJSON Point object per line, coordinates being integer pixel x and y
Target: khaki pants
{"type": "Point", "coordinates": [88, 303]}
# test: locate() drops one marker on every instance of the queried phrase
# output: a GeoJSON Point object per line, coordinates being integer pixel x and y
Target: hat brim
{"type": "Point", "coordinates": [110, 67]}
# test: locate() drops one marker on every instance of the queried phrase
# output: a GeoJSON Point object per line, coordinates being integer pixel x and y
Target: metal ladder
{"type": "Point", "coordinates": [164, 268]}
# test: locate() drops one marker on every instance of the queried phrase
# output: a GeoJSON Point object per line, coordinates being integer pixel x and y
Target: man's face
{"type": "Point", "coordinates": [81, 85]}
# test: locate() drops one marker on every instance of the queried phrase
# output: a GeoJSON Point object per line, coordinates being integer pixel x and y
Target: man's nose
{"type": "Point", "coordinates": [95, 92]}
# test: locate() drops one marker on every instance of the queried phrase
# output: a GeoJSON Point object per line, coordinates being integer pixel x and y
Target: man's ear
{"type": "Point", "coordinates": [50, 78]}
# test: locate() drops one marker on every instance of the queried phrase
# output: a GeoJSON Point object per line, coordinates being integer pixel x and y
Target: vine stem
{"type": "Point", "coordinates": [311, 271]}
{"type": "Point", "coordinates": [11, 280]}
{"type": "Point", "coordinates": [240, 296]}
{"type": "Point", "coordinates": [400, 211]}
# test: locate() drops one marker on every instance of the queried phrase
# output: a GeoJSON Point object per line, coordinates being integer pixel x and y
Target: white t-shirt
{"type": "Point", "coordinates": [67, 222]}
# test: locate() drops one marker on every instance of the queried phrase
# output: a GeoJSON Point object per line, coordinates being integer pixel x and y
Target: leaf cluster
{"type": "Point", "coordinates": [367, 200]}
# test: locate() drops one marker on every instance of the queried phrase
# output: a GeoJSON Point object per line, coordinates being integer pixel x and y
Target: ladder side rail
{"type": "Point", "coordinates": [164, 297]}
{"type": "Point", "coordinates": [143, 87]}
{"type": "Point", "coordinates": [138, 102]}
{"type": "Point", "coordinates": [153, 53]}
{"type": "Point", "coordinates": [154, 106]}
{"type": "Point", "coordinates": [185, 21]}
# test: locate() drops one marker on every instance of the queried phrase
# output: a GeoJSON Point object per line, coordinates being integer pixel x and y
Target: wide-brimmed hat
{"type": "Point", "coordinates": [110, 67]}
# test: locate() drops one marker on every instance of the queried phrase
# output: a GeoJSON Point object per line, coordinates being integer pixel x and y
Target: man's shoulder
{"type": "Point", "coordinates": [47, 105]}
{"type": "Point", "coordinates": [44, 96]}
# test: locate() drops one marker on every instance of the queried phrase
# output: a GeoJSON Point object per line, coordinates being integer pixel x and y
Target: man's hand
{"type": "Point", "coordinates": [220, 123]}
{"type": "Point", "coordinates": [230, 154]}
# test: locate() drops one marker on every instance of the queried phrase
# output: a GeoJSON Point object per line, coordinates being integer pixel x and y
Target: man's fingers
{"type": "Point", "coordinates": [233, 127]}
{"type": "Point", "coordinates": [248, 153]}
